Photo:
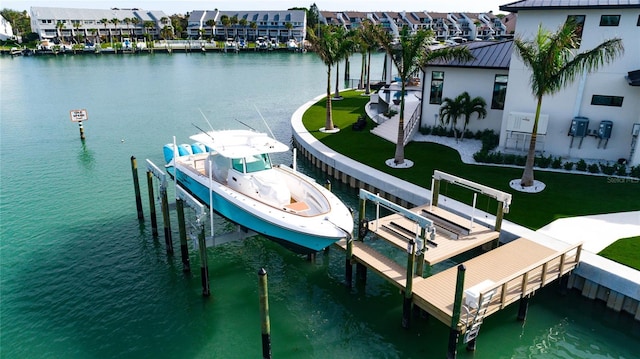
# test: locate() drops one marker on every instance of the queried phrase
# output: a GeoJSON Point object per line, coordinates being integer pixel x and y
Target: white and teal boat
{"type": "Point", "coordinates": [231, 171]}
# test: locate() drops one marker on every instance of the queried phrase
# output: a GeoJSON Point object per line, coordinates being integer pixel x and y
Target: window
{"type": "Point", "coordinates": [602, 100]}
{"type": "Point", "coordinates": [499, 92]}
{"type": "Point", "coordinates": [437, 80]}
{"type": "Point", "coordinates": [579, 20]}
{"type": "Point", "coordinates": [638, 23]}
{"type": "Point", "coordinates": [609, 20]}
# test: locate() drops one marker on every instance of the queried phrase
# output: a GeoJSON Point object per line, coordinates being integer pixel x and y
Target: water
{"type": "Point", "coordinates": [82, 278]}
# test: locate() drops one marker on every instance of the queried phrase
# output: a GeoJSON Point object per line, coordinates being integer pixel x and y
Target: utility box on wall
{"type": "Point", "coordinates": [604, 130]}
{"type": "Point", "coordinates": [579, 127]}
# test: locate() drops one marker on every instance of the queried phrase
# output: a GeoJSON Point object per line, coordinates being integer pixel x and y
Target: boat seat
{"type": "Point", "coordinates": [299, 206]}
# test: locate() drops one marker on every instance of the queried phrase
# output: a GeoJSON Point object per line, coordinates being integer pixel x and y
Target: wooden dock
{"type": "Point", "coordinates": [460, 297]}
{"type": "Point", "coordinates": [517, 269]}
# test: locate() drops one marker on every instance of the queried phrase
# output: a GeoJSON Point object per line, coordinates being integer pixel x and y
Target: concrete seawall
{"type": "Point", "coordinates": [595, 277]}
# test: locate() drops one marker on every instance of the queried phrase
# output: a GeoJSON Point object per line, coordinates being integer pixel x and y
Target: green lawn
{"type": "Point", "coordinates": [624, 251]}
{"type": "Point", "coordinates": [566, 194]}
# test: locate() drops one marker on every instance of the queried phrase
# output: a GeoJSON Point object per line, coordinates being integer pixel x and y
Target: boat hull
{"type": "Point", "coordinates": [302, 235]}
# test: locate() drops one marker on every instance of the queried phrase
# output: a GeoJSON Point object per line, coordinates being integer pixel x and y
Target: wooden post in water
{"type": "Point", "coordinates": [264, 314]}
{"type": "Point", "coordinates": [204, 267]}
{"type": "Point", "coordinates": [165, 217]}
{"type": "Point", "coordinates": [361, 270]}
{"type": "Point", "coordinates": [152, 205]}
{"type": "Point", "coordinates": [327, 184]}
{"type": "Point", "coordinates": [454, 334]}
{"type": "Point", "coordinates": [136, 187]}
{"type": "Point", "coordinates": [420, 258]}
{"type": "Point", "coordinates": [523, 307]}
{"type": "Point", "coordinates": [81, 131]}
{"type": "Point", "coordinates": [184, 250]}
{"type": "Point", "coordinates": [408, 292]}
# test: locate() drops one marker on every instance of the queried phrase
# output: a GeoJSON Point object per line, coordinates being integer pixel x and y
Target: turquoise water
{"type": "Point", "coordinates": [82, 278]}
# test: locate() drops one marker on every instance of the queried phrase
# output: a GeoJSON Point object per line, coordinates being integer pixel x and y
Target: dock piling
{"type": "Point", "coordinates": [454, 333]}
{"type": "Point", "coordinates": [204, 267]}
{"type": "Point", "coordinates": [408, 292]}
{"type": "Point", "coordinates": [136, 186]}
{"type": "Point", "coordinates": [523, 307]}
{"type": "Point", "coordinates": [167, 222]}
{"type": "Point", "coordinates": [152, 205]}
{"type": "Point", "coordinates": [184, 249]}
{"type": "Point", "coordinates": [264, 314]}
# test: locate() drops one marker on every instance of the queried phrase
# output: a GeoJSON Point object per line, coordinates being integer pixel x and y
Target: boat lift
{"type": "Point", "coordinates": [196, 228]}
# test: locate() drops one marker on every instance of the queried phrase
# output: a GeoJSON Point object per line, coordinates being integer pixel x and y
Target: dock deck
{"type": "Point", "coordinates": [454, 234]}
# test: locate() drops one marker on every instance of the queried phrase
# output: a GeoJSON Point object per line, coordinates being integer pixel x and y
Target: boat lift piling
{"type": "Point", "coordinates": [136, 187]}
{"type": "Point", "coordinates": [182, 229]}
{"type": "Point", "coordinates": [162, 177]}
{"type": "Point", "coordinates": [454, 332]}
{"type": "Point", "coordinates": [152, 205]}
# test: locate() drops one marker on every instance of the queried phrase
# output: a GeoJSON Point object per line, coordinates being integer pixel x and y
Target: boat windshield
{"type": "Point", "coordinates": [253, 163]}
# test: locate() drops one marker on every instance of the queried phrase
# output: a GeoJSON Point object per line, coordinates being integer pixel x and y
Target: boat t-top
{"type": "Point", "coordinates": [231, 171]}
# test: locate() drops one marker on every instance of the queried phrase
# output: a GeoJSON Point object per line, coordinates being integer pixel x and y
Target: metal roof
{"type": "Point", "coordinates": [491, 55]}
{"type": "Point", "coordinates": [569, 4]}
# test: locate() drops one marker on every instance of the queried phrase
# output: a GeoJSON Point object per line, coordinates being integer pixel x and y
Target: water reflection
{"type": "Point", "coordinates": [86, 157]}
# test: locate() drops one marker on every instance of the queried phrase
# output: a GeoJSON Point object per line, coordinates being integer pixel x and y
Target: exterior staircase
{"type": "Point", "coordinates": [388, 127]}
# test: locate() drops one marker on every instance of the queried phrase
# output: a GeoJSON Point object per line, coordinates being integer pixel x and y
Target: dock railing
{"type": "Point", "coordinates": [527, 280]}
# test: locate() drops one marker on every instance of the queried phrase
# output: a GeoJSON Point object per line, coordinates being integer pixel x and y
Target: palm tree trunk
{"type": "Point", "coordinates": [329, 121]}
{"type": "Point", "coordinates": [337, 93]}
{"type": "Point", "coordinates": [362, 70]}
{"type": "Point", "coordinates": [368, 84]}
{"type": "Point", "coordinates": [399, 155]}
{"type": "Point", "coordinates": [527, 175]}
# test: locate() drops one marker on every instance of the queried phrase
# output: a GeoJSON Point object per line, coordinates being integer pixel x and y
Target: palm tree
{"type": "Point", "coordinates": [211, 23]}
{"type": "Point", "coordinates": [370, 34]}
{"type": "Point", "coordinates": [470, 106]}
{"type": "Point", "coordinates": [104, 22]}
{"type": "Point", "coordinates": [224, 19]}
{"type": "Point", "coordinates": [115, 23]}
{"type": "Point", "coordinates": [135, 21]}
{"type": "Point", "coordinates": [554, 64]}
{"type": "Point", "coordinates": [325, 44]}
{"type": "Point", "coordinates": [409, 54]}
{"type": "Point", "coordinates": [243, 23]}
{"type": "Point", "coordinates": [345, 48]}
{"type": "Point", "coordinates": [253, 25]}
{"type": "Point", "coordinates": [450, 111]}
{"type": "Point", "coordinates": [288, 26]}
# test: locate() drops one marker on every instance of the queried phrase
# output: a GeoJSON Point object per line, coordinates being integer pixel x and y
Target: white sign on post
{"type": "Point", "coordinates": [78, 115]}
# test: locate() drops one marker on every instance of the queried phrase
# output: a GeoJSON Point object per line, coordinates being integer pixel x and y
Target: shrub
{"type": "Point", "coordinates": [481, 156]}
{"type": "Point", "coordinates": [509, 159]}
{"type": "Point", "coordinates": [621, 169]}
{"type": "Point", "coordinates": [542, 161]}
{"type": "Point", "coordinates": [521, 160]}
{"type": "Point", "coordinates": [489, 139]}
{"type": "Point", "coordinates": [581, 165]}
{"type": "Point", "coordinates": [568, 165]}
{"type": "Point", "coordinates": [607, 169]}
{"type": "Point", "coordinates": [635, 171]}
{"type": "Point", "coordinates": [425, 130]}
{"type": "Point", "coordinates": [593, 168]}
{"type": "Point", "coordinates": [556, 163]}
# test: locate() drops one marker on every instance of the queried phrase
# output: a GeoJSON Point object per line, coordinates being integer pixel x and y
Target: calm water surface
{"type": "Point", "coordinates": [82, 278]}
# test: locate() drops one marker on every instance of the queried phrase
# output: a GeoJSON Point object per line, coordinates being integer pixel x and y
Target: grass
{"type": "Point", "coordinates": [624, 251]}
{"type": "Point", "coordinates": [566, 194]}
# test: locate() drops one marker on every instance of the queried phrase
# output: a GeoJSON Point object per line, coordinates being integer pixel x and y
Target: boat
{"type": "Point", "coordinates": [274, 44]}
{"type": "Point", "coordinates": [292, 45]}
{"type": "Point", "coordinates": [231, 171]}
{"type": "Point", "coordinates": [261, 44]}
{"type": "Point", "coordinates": [230, 45]}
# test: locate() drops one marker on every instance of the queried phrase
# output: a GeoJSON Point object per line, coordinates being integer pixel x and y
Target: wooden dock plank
{"type": "Point", "coordinates": [495, 265]}
{"type": "Point", "coordinates": [447, 247]}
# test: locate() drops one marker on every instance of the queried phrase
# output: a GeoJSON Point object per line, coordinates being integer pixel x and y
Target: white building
{"type": "Point", "coordinates": [6, 30]}
{"type": "Point", "coordinates": [608, 98]}
{"type": "Point", "coordinates": [248, 25]}
{"type": "Point", "coordinates": [605, 95]}
{"type": "Point", "coordinates": [88, 24]}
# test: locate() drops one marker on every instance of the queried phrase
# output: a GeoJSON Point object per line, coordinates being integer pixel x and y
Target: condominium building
{"type": "Point", "coordinates": [248, 25]}
{"type": "Point", "coordinates": [78, 25]}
